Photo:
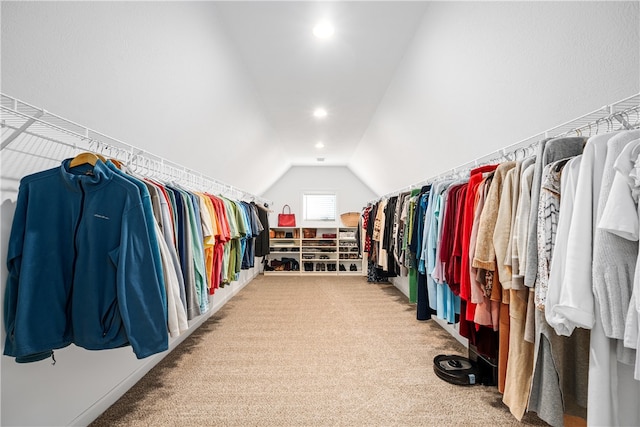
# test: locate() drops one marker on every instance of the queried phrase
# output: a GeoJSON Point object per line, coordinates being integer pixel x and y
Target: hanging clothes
{"type": "Point", "coordinates": [559, 381]}
{"type": "Point", "coordinates": [610, 382]}
{"type": "Point", "coordinates": [387, 239]}
{"type": "Point", "coordinates": [518, 242]}
{"type": "Point", "coordinates": [521, 225]}
{"type": "Point", "coordinates": [145, 199]}
{"type": "Point", "coordinates": [429, 243]}
{"type": "Point", "coordinates": [165, 220]}
{"type": "Point", "coordinates": [223, 236]}
{"type": "Point", "coordinates": [548, 214]}
{"type": "Point", "coordinates": [422, 302]}
{"type": "Point", "coordinates": [476, 177]}
{"type": "Point", "coordinates": [519, 368]}
{"type": "Point", "coordinates": [620, 218]}
{"type": "Point", "coordinates": [398, 234]}
{"type": "Point", "coordinates": [477, 277]}
{"type": "Point", "coordinates": [445, 300]}
{"type": "Point", "coordinates": [551, 392]}
{"type": "Point", "coordinates": [257, 229]}
{"type": "Point", "coordinates": [93, 215]}
{"type": "Point", "coordinates": [454, 262]}
{"type": "Point", "coordinates": [263, 245]}
{"type": "Point", "coordinates": [403, 213]}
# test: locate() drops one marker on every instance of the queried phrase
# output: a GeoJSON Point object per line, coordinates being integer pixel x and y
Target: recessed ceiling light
{"type": "Point", "coordinates": [323, 30]}
{"type": "Point", "coordinates": [320, 113]}
{"type": "Point", "coordinates": [319, 145]}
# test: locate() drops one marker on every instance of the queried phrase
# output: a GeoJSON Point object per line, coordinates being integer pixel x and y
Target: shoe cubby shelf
{"type": "Point", "coordinates": [313, 251]}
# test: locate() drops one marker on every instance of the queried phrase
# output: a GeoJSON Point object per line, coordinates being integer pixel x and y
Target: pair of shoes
{"type": "Point", "coordinates": [308, 266]}
{"type": "Point", "coordinates": [353, 267]}
{"type": "Point", "coordinates": [343, 268]}
{"type": "Point", "coordinates": [324, 256]}
{"type": "Point", "coordinates": [320, 266]}
{"type": "Point", "coordinates": [331, 267]}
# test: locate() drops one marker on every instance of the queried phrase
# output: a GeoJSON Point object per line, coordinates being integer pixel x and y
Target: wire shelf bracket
{"type": "Point", "coordinates": [587, 125]}
{"type": "Point", "coordinates": [26, 124]}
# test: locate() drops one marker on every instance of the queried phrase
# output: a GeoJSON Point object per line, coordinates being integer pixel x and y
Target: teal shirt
{"type": "Point", "coordinates": [197, 254]}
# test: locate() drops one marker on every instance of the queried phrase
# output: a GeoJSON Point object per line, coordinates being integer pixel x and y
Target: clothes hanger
{"type": "Point", "coordinates": [86, 158]}
{"type": "Point", "coordinates": [116, 163]}
{"type": "Point", "coordinates": [113, 158]}
{"type": "Point", "coordinates": [622, 117]}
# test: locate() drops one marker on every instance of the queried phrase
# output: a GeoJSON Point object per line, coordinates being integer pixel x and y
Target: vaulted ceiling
{"type": "Point", "coordinates": [294, 72]}
{"type": "Point", "coordinates": [228, 88]}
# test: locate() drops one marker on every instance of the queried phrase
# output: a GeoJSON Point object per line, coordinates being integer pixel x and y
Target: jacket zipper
{"type": "Point", "coordinates": [75, 247]}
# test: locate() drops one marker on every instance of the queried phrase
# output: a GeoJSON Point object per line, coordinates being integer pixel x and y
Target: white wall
{"type": "Point", "coordinates": [159, 75]}
{"type": "Point", "coordinates": [351, 193]}
{"type": "Point", "coordinates": [479, 76]}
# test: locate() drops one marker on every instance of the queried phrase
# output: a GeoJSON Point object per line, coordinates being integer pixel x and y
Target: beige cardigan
{"type": "Point", "coordinates": [485, 256]}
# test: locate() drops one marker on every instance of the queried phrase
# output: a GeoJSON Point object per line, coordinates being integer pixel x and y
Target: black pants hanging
{"type": "Point", "coordinates": [424, 313]}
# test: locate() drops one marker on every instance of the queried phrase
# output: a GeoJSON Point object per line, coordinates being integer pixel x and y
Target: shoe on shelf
{"type": "Point", "coordinates": [342, 267]}
{"type": "Point", "coordinates": [353, 267]}
{"type": "Point", "coordinates": [322, 267]}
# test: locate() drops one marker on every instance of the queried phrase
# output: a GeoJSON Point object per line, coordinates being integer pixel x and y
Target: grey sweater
{"type": "Point", "coordinates": [614, 259]}
{"type": "Point", "coordinates": [548, 151]}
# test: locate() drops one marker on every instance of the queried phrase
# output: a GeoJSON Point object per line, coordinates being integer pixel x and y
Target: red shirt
{"type": "Point", "coordinates": [467, 223]}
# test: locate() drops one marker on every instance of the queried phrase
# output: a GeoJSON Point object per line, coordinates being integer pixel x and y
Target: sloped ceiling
{"type": "Point", "coordinates": [228, 88]}
{"type": "Point", "coordinates": [201, 81]}
{"type": "Point", "coordinates": [294, 72]}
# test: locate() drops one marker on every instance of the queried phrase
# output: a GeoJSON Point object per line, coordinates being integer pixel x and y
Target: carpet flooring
{"type": "Point", "coordinates": [310, 351]}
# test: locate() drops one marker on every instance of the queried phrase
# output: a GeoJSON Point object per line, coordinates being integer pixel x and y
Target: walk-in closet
{"type": "Point", "coordinates": [314, 213]}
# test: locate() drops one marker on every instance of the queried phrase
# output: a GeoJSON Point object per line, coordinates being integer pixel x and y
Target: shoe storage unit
{"type": "Point", "coordinates": [306, 250]}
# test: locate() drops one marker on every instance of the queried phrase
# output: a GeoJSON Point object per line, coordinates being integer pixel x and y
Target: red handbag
{"type": "Point", "coordinates": [286, 219]}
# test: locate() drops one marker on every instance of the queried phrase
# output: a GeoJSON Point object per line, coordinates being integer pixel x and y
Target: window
{"type": "Point", "coordinates": [319, 207]}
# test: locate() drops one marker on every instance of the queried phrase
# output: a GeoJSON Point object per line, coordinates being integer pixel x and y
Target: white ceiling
{"type": "Point", "coordinates": [293, 72]}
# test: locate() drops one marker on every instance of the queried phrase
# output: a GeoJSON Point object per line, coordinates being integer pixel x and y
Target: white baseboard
{"type": "Point", "coordinates": [402, 283]}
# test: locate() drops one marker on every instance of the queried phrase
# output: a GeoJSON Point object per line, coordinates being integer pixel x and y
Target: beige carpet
{"type": "Point", "coordinates": [314, 351]}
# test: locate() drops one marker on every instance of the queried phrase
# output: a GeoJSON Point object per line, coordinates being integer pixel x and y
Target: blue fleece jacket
{"type": "Point", "coordinates": [150, 220]}
{"type": "Point", "coordinates": [81, 267]}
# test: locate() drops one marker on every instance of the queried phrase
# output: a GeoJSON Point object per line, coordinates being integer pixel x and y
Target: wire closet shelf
{"type": "Point", "coordinates": [34, 139]}
{"type": "Point", "coordinates": [624, 114]}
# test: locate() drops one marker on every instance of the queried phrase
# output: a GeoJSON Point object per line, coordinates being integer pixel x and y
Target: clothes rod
{"type": "Point", "coordinates": [23, 118]}
{"type": "Point", "coordinates": [607, 116]}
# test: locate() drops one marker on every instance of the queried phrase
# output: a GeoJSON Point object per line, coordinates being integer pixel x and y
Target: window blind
{"type": "Point", "coordinates": [319, 207]}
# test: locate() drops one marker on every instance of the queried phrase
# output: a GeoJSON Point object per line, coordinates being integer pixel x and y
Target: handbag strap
{"type": "Point", "coordinates": [286, 206]}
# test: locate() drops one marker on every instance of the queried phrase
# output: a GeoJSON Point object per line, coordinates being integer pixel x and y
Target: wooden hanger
{"type": "Point", "coordinates": [116, 163]}
{"type": "Point", "coordinates": [83, 158]}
